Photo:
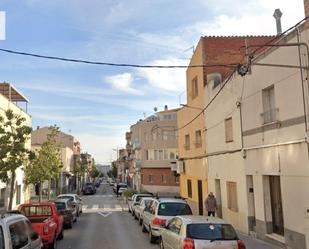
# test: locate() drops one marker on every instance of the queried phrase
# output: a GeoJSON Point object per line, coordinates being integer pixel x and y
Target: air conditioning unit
{"type": "Point", "coordinates": [180, 167]}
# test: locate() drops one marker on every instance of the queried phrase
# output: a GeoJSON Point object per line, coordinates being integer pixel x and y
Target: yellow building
{"type": "Point", "coordinates": [191, 145]}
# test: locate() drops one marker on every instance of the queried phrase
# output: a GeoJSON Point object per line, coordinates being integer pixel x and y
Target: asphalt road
{"type": "Point", "coordinates": [105, 223]}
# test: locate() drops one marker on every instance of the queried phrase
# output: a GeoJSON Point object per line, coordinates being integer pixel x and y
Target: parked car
{"type": "Point", "coordinates": [17, 232]}
{"type": "Point", "coordinates": [199, 232]}
{"type": "Point", "coordinates": [122, 187]}
{"type": "Point", "coordinates": [68, 211]}
{"type": "Point", "coordinates": [75, 199]}
{"type": "Point", "coordinates": [89, 189]}
{"type": "Point", "coordinates": [134, 200]}
{"type": "Point", "coordinates": [45, 220]}
{"type": "Point", "coordinates": [140, 207]}
{"type": "Point", "coordinates": [97, 184]}
{"type": "Point", "coordinates": [159, 212]}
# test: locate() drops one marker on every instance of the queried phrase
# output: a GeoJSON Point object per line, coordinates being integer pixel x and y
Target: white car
{"type": "Point", "coordinates": [159, 211]}
{"type": "Point", "coordinates": [199, 232]}
{"type": "Point", "coordinates": [16, 232]}
{"type": "Point", "coordinates": [76, 200]}
{"type": "Point", "coordinates": [134, 200]}
{"type": "Point", "coordinates": [140, 207]}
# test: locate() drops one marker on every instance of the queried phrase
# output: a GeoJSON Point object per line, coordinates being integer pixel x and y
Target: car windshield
{"type": "Point", "coordinates": [208, 231]}
{"type": "Point", "coordinates": [174, 208]}
{"type": "Point", "coordinates": [71, 198]}
{"type": "Point", "coordinates": [32, 211]}
{"type": "Point", "coordinates": [60, 205]}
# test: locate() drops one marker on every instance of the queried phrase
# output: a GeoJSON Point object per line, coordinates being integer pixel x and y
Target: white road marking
{"type": "Point", "coordinates": [104, 214]}
{"type": "Point", "coordinates": [85, 207]}
{"type": "Point", "coordinates": [118, 208]}
{"type": "Point", "coordinates": [95, 207]}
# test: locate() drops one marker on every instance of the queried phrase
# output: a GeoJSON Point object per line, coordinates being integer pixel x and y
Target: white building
{"type": "Point", "coordinates": [9, 97]}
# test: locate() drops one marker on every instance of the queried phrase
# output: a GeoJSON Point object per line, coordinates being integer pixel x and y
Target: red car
{"type": "Point", "coordinates": [45, 220]}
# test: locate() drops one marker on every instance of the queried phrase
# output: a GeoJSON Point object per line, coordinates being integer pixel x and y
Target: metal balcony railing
{"type": "Point", "coordinates": [270, 116]}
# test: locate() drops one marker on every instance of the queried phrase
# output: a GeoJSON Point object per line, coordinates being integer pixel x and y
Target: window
{"type": "Point", "coordinates": [177, 179]}
{"type": "Point", "coordinates": [165, 135]}
{"type": "Point", "coordinates": [189, 187]}
{"type": "Point", "coordinates": [147, 154]}
{"type": "Point", "coordinates": [231, 188]}
{"type": "Point", "coordinates": [198, 139]}
{"type": "Point", "coordinates": [2, 197]}
{"type": "Point", "coordinates": [163, 179]}
{"type": "Point", "coordinates": [150, 178]}
{"type": "Point", "coordinates": [269, 107]}
{"type": "Point", "coordinates": [166, 155]}
{"type": "Point", "coordinates": [187, 142]}
{"type": "Point", "coordinates": [18, 194]}
{"type": "Point", "coordinates": [156, 155]}
{"type": "Point", "coordinates": [172, 155]}
{"type": "Point", "coordinates": [194, 88]}
{"type": "Point", "coordinates": [229, 130]}
{"type": "Point", "coordinates": [19, 236]}
{"type": "Point", "coordinates": [154, 136]}
{"type": "Point", "coordinates": [160, 154]}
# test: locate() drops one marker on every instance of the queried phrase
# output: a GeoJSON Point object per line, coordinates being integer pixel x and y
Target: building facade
{"type": "Point", "coordinates": [9, 98]}
{"type": "Point", "coordinates": [69, 153]}
{"type": "Point", "coordinates": [154, 141]}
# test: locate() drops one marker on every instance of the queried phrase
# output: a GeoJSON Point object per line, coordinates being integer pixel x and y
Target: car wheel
{"type": "Point", "coordinates": [135, 217]}
{"type": "Point", "coordinates": [140, 221]}
{"type": "Point", "coordinates": [77, 214]}
{"type": "Point", "coordinates": [60, 236]}
{"type": "Point", "coordinates": [152, 239]}
{"type": "Point", "coordinates": [132, 213]}
{"type": "Point", "coordinates": [144, 230]}
{"type": "Point", "coordinates": [161, 243]}
{"type": "Point", "coordinates": [71, 224]}
{"type": "Point", "coordinates": [54, 244]}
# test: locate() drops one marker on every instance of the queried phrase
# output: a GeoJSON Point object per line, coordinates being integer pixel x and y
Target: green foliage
{"type": "Point", "coordinates": [94, 172]}
{"type": "Point", "coordinates": [14, 134]}
{"type": "Point", "coordinates": [129, 193]}
{"type": "Point", "coordinates": [47, 164]}
{"type": "Point", "coordinates": [114, 170]}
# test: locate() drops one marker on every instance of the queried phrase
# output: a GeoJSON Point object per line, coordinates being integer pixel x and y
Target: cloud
{"type": "Point", "coordinates": [123, 82]}
{"type": "Point", "coordinates": [101, 146]}
{"type": "Point", "coordinates": [165, 78]}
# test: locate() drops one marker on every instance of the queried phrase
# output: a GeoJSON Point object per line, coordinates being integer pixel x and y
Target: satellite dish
{"type": "Point", "coordinates": [155, 109]}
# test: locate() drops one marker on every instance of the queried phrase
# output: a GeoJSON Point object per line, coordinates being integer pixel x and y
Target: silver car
{"type": "Point", "coordinates": [199, 232]}
{"type": "Point", "coordinates": [134, 200]}
{"type": "Point", "coordinates": [76, 200]}
{"type": "Point", "coordinates": [16, 232]}
{"type": "Point", "coordinates": [159, 212]}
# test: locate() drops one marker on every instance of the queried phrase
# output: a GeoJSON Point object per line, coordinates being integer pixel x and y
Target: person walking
{"type": "Point", "coordinates": [117, 189]}
{"type": "Point", "coordinates": [211, 204]}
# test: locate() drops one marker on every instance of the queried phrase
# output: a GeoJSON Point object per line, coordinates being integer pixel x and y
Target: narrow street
{"type": "Point", "coordinates": [105, 223]}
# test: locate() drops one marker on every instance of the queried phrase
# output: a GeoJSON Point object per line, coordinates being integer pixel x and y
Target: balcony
{"type": "Point", "coordinates": [270, 116]}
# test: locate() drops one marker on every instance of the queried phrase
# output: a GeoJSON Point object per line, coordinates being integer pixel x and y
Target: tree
{"type": "Point", "coordinates": [94, 172]}
{"type": "Point", "coordinates": [47, 165]}
{"type": "Point", "coordinates": [14, 134]}
{"type": "Point", "coordinates": [114, 170]}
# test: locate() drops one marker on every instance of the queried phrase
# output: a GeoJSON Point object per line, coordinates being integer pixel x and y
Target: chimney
{"type": "Point", "coordinates": [38, 127]}
{"type": "Point", "coordinates": [165, 108]}
{"type": "Point", "coordinates": [277, 16]}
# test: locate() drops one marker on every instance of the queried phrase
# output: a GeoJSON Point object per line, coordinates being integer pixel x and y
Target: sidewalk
{"type": "Point", "coordinates": [252, 243]}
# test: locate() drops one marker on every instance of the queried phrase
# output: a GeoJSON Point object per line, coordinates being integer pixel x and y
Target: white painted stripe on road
{"type": "Point", "coordinates": [95, 207]}
{"type": "Point", "coordinates": [107, 208]}
{"type": "Point", "coordinates": [118, 208]}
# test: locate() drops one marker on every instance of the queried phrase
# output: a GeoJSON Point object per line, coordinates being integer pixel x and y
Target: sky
{"type": "Point", "coordinates": [98, 104]}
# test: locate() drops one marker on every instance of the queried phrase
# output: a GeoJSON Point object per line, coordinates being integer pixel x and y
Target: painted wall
{"type": "Point", "coordinates": [5, 104]}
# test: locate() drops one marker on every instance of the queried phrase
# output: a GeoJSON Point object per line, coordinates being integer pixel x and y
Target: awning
{"type": "Point", "coordinates": [11, 93]}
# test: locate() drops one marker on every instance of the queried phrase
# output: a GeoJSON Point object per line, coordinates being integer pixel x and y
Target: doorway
{"type": "Point", "coordinates": [200, 197]}
{"type": "Point", "coordinates": [218, 197]}
{"type": "Point", "coordinates": [276, 204]}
